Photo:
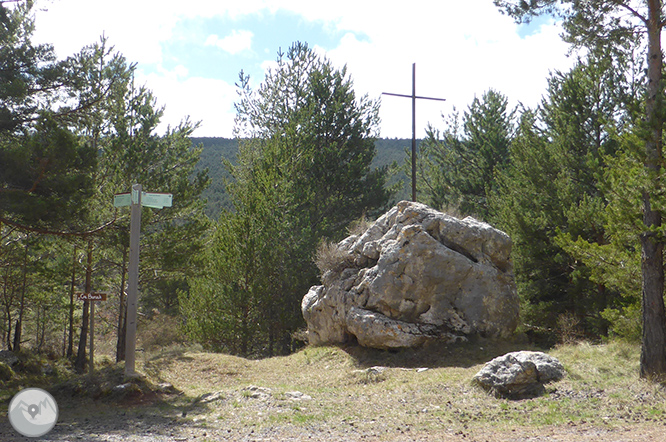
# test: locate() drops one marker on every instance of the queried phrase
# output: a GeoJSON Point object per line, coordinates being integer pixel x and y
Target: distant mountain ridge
{"type": "Point", "coordinates": [215, 149]}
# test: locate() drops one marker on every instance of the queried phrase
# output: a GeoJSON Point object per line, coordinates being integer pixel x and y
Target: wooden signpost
{"type": "Point", "coordinates": [136, 199]}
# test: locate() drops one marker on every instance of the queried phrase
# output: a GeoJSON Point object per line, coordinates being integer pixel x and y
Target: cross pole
{"type": "Point", "coordinates": [413, 97]}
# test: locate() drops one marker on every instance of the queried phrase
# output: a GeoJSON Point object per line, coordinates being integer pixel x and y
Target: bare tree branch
{"type": "Point", "coordinates": [57, 232]}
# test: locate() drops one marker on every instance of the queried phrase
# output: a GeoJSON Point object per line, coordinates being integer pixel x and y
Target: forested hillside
{"type": "Point", "coordinates": [217, 150]}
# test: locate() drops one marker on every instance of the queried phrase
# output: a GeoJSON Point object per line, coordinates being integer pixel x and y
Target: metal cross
{"type": "Point", "coordinates": [413, 97]}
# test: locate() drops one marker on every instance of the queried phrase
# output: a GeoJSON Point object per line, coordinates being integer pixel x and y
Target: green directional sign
{"type": "Point", "coordinates": [156, 200]}
{"type": "Point", "coordinates": [153, 200]}
{"type": "Point", "coordinates": [122, 199]}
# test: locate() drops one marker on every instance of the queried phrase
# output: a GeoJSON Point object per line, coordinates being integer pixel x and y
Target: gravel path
{"type": "Point", "coordinates": [151, 424]}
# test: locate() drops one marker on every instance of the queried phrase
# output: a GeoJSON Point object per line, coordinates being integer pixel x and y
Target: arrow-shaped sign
{"type": "Point", "coordinates": [122, 199]}
{"type": "Point", "coordinates": [153, 200]}
{"type": "Point", "coordinates": [156, 200]}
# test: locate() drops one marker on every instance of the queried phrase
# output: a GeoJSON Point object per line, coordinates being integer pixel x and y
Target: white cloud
{"type": "Point", "coordinates": [236, 42]}
{"type": "Point", "coordinates": [181, 71]}
{"type": "Point", "coordinates": [460, 49]}
{"type": "Point", "coordinates": [136, 28]}
{"type": "Point", "coordinates": [206, 100]}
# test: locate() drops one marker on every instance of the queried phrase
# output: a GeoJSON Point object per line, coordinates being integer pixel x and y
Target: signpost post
{"type": "Point", "coordinates": [136, 199]}
{"type": "Point", "coordinates": [133, 279]}
{"type": "Point", "coordinates": [414, 97]}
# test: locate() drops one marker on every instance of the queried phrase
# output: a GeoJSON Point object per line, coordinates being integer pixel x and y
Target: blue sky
{"type": "Point", "coordinates": [190, 53]}
{"type": "Point", "coordinates": [230, 45]}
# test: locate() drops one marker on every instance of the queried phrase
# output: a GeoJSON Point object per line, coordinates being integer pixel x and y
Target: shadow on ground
{"type": "Point", "coordinates": [439, 355]}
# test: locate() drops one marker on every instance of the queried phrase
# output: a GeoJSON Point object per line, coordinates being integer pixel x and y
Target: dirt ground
{"type": "Point", "coordinates": [97, 422]}
{"type": "Point", "coordinates": [333, 394]}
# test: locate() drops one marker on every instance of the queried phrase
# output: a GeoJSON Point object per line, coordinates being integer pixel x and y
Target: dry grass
{"type": "Point", "coordinates": [454, 211]}
{"type": "Point", "coordinates": [331, 393]}
{"type": "Point", "coordinates": [329, 257]}
{"type": "Point", "coordinates": [569, 330]}
{"type": "Point", "coordinates": [160, 331]}
{"type": "Point", "coordinates": [359, 226]}
{"type": "Point", "coordinates": [410, 392]}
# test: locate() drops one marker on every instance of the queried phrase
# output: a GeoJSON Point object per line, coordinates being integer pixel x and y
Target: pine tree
{"type": "Point", "coordinates": [550, 194]}
{"type": "Point", "coordinates": [122, 125]}
{"type": "Point", "coordinates": [306, 143]}
{"type": "Point", "coordinates": [618, 26]}
{"type": "Point", "coordinates": [457, 170]}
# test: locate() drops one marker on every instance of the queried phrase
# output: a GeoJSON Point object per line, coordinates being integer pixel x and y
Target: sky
{"type": "Point", "coordinates": [189, 53]}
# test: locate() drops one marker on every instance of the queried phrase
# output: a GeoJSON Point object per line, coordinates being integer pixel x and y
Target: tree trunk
{"type": "Point", "coordinates": [9, 331]}
{"type": "Point", "coordinates": [7, 310]}
{"type": "Point", "coordinates": [40, 334]}
{"type": "Point", "coordinates": [653, 351]}
{"type": "Point", "coordinates": [80, 363]}
{"type": "Point", "coordinates": [70, 340]}
{"type": "Point", "coordinates": [4, 327]}
{"type": "Point", "coordinates": [18, 329]}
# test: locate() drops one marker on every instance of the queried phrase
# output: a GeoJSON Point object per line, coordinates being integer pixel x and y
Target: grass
{"type": "Point", "coordinates": [421, 390]}
{"type": "Point", "coordinates": [355, 391]}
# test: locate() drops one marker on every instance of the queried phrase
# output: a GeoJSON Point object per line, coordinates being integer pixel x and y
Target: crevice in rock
{"type": "Point", "coordinates": [432, 230]}
{"type": "Point", "coordinates": [458, 249]}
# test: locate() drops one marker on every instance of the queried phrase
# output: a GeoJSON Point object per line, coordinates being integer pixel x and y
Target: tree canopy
{"type": "Point", "coordinates": [72, 133]}
{"type": "Point", "coordinates": [623, 26]}
{"type": "Point", "coordinates": [457, 168]}
{"type": "Point", "coordinates": [303, 173]}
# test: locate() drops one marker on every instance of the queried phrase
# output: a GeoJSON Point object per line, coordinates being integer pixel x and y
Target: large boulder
{"type": "Point", "coordinates": [519, 374]}
{"type": "Point", "coordinates": [413, 276]}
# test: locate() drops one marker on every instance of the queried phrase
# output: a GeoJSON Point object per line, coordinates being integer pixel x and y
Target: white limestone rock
{"type": "Point", "coordinates": [519, 374]}
{"type": "Point", "coordinates": [413, 276]}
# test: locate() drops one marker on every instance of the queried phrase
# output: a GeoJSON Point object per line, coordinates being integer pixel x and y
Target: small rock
{"type": "Point", "coordinates": [122, 387]}
{"type": "Point", "coordinates": [254, 392]}
{"type": "Point", "coordinates": [297, 396]}
{"type": "Point", "coordinates": [165, 387]}
{"type": "Point", "coordinates": [519, 374]}
{"type": "Point", "coordinates": [211, 397]}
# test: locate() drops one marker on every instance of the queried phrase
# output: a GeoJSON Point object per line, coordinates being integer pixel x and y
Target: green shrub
{"type": "Point", "coordinates": [624, 323]}
{"type": "Point", "coordinates": [6, 372]}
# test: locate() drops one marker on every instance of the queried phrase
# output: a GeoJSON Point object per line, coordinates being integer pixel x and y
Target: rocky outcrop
{"type": "Point", "coordinates": [413, 276]}
{"type": "Point", "coordinates": [519, 374]}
